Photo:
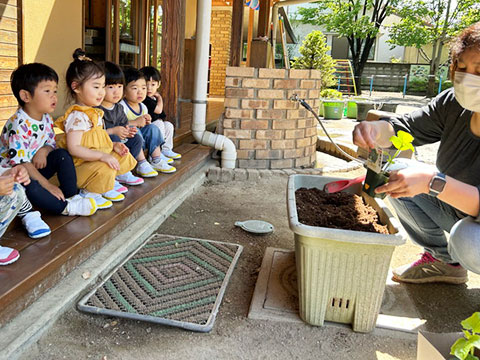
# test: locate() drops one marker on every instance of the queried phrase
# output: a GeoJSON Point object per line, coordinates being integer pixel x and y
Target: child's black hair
{"type": "Point", "coordinates": [151, 73]}
{"type": "Point", "coordinates": [113, 74]}
{"type": "Point", "coordinates": [132, 74]}
{"type": "Point", "coordinates": [28, 76]}
{"type": "Point", "coordinates": [81, 69]}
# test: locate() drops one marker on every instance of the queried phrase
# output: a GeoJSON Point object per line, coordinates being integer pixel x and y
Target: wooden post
{"type": "Point", "coordinates": [172, 57]}
{"type": "Point", "coordinates": [236, 40]}
{"type": "Point", "coordinates": [264, 18]}
{"type": "Point", "coordinates": [251, 19]}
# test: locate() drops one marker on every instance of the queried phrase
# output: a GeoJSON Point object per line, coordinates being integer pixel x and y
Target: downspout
{"type": "Point", "coordinates": [202, 42]}
{"type": "Point", "coordinates": [275, 17]}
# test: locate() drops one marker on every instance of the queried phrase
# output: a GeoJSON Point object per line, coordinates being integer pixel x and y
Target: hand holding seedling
{"type": "Point", "coordinates": [406, 182]}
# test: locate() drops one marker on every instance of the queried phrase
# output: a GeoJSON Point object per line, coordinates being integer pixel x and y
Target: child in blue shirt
{"type": "Point", "coordinates": [137, 115]}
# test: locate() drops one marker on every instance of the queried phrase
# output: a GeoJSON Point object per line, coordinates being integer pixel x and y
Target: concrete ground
{"type": "Point", "coordinates": [210, 213]}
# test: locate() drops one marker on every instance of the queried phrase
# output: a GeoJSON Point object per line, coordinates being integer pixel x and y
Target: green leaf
{"type": "Point", "coordinates": [472, 323]}
{"type": "Point", "coordinates": [403, 141]}
{"type": "Point", "coordinates": [460, 349]}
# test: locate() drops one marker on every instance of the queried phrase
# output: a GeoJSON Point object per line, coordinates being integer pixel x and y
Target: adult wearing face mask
{"type": "Point", "coordinates": [431, 202]}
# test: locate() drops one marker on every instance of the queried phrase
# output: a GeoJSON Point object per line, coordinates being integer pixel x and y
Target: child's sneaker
{"type": "Point", "coordinates": [8, 255]}
{"type": "Point", "coordinates": [146, 170]}
{"type": "Point", "coordinates": [77, 205]}
{"type": "Point", "coordinates": [171, 154]}
{"type": "Point", "coordinates": [162, 157]}
{"type": "Point", "coordinates": [163, 167]}
{"type": "Point", "coordinates": [130, 179]}
{"type": "Point", "coordinates": [36, 227]}
{"type": "Point", "coordinates": [119, 187]}
{"type": "Point", "coordinates": [113, 195]}
{"type": "Point", "coordinates": [101, 202]}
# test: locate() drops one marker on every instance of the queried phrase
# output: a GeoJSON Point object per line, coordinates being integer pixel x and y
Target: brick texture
{"type": "Point", "coordinates": [220, 26]}
{"type": "Point", "coordinates": [270, 130]}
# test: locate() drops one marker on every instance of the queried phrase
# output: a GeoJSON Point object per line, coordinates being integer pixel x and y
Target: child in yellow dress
{"type": "Point", "coordinates": [97, 159]}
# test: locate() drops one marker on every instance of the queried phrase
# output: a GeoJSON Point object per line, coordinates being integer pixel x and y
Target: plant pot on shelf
{"type": "Point", "coordinates": [352, 107]}
{"type": "Point", "coordinates": [363, 107]}
{"type": "Point", "coordinates": [374, 180]}
{"type": "Point", "coordinates": [333, 109]}
{"type": "Point", "coordinates": [330, 286]}
{"type": "Point", "coordinates": [388, 106]}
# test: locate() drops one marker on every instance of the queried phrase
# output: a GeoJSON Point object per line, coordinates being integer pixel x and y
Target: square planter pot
{"type": "Point", "coordinates": [333, 109]}
{"type": "Point", "coordinates": [352, 107]}
{"type": "Point", "coordinates": [341, 273]}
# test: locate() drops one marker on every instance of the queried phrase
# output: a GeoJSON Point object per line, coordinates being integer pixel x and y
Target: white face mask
{"type": "Point", "coordinates": [467, 90]}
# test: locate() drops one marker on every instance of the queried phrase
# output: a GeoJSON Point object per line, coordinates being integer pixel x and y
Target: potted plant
{"type": "Point", "coordinates": [352, 106]}
{"type": "Point", "coordinates": [329, 290]}
{"type": "Point", "coordinates": [374, 179]}
{"type": "Point", "coordinates": [464, 348]}
{"type": "Point", "coordinates": [331, 104]}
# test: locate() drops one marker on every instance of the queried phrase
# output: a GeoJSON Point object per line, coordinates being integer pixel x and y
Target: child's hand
{"type": "Point", "coordinates": [148, 119]}
{"type": "Point", "coordinates": [6, 184]}
{"type": "Point", "coordinates": [120, 149]}
{"type": "Point", "coordinates": [40, 158]}
{"type": "Point", "coordinates": [20, 174]}
{"type": "Point", "coordinates": [122, 132]}
{"type": "Point", "coordinates": [55, 191]}
{"type": "Point", "coordinates": [132, 130]}
{"type": "Point", "coordinates": [140, 121]}
{"type": "Point", "coordinates": [110, 161]}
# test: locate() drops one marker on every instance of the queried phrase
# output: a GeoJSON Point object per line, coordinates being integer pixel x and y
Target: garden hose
{"type": "Point", "coordinates": [309, 108]}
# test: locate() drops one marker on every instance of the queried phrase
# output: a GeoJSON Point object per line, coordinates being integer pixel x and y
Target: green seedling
{"type": "Point", "coordinates": [401, 142]}
{"type": "Point", "coordinates": [464, 348]}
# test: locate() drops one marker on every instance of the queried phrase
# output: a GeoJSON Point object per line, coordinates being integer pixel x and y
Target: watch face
{"type": "Point", "coordinates": [437, 184]}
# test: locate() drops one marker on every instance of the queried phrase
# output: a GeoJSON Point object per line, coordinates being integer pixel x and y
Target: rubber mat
{"type": "Point", "coordinates": [170, 280]}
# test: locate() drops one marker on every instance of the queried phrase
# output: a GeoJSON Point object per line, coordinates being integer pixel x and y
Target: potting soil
{"type": "Point", "coordinates": [339, 210]}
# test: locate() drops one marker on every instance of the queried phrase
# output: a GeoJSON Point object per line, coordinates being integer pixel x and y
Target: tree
{"type": "Point", "coordinates": [314, 56]}
{"type": "Point", "coordinates": [432, 22]}
{"type": "Point", "coordinates": [357, 20]}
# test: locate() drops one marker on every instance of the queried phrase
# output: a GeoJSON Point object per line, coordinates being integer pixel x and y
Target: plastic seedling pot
{"type": "Point", "coordinates": [320, 108]}
{"type": "Point", "coordinates": [341, 274]}
{"type": "Point", "coordinates": [374, 180]}
{"type": "Point", "coordinates": [333, 109]}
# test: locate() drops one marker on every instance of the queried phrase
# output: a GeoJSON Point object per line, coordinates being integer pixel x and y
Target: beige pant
{"type": "Point", "coordinates": [167, 130]}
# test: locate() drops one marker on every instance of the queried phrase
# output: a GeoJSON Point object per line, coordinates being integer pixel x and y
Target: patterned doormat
{"type": "Point", "coordinates": [170, 280]}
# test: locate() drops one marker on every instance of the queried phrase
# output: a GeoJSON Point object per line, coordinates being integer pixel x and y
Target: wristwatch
{"type": "Point", "coordinates": [437, 184]}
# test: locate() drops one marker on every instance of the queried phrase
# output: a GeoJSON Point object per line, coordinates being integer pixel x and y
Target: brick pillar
{"type": "Point", "coordinates": [269, 130]}
{"type": "Point", "coordinates": [220, 41]}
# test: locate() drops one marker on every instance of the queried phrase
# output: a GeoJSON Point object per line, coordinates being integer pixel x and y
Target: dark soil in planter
{"type": "Point", "coordinates": [339, 210]}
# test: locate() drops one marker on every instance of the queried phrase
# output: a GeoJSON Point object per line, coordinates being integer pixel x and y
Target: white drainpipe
{"type": "Point", "coordinates": [219, 142]}
{"type": "Point", "coordinates": [275, 16]}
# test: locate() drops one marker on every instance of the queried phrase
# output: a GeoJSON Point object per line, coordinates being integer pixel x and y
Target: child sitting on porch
{"type": "Point", "coordinates": [154, 104]}
{"type": "Point", "coordinates": [97, 160]}
{"type": "Point", "coordinates": [117, 126]}
{"type": "Point", "coordinates": [13, 201]}
{"type": "Point", "coordinates": [28, 139]}
{"type": "Point", "coordinates": [137, 115]}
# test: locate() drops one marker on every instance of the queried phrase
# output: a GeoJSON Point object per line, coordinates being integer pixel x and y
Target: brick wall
{"type": "Point", "coordinates": [220, 40]}
{"type": "Point", "coordinates": [9, 53]}
{"type": "Point", "coordinates": [269, 130]}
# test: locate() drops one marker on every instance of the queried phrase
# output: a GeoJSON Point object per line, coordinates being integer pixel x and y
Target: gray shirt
{"type": "Point", "coordinates": [446, 121]}
{"type": "Point", "coordinates": [114, 117]}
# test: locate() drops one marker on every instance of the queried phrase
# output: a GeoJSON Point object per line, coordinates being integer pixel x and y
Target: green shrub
{"type": "Point", "coordinates": [314, 56]}
{"type": "Point", "coordinates": [330, 94]}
